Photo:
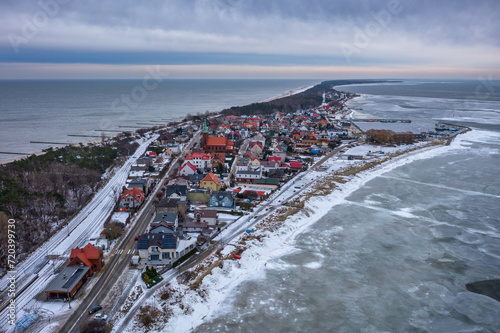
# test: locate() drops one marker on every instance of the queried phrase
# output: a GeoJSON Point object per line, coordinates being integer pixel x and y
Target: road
{"type": "Point", "coordinates": [120, 258]}
{"type": "Point", "coordinates": [234, 230]}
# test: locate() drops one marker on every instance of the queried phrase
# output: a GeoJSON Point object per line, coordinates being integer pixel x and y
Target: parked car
{"type": "Point", "coordinates": [94, 309]}
{"type": "Point", "coordinates": [100, 316]}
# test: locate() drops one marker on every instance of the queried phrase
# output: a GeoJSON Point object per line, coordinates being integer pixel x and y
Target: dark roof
{"type": "Point", "coordinates": [167, 217]}
{"type": "Point", "coordinates": [138, 181]}
{"type": "Point", "coordinates": [179, 189]}
{"type": "Point", "coordinates": [206, 212]}
{"type": "Point", "coordinates": [168, 202]}
{"type": "Point", "coordinates": [67, 279]}
{"type": "Point", "coordinates": [164, 241]}
{"type": "Point", "coordinates": [222, 194]}
{"type": "Point", "coordinates": [196, 177]}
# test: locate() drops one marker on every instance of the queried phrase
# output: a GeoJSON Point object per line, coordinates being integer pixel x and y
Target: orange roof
{"type": "Point", "coordinates": [84, 254]}
{"type": "Point", "coordinates": [211, 178]}
{"type": "Point", "coordinates": [135, 193]}
{"type": "Point", "coordinates": [217, 141]}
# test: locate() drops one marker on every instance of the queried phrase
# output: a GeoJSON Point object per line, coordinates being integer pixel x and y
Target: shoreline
{"type": "Point", "coordinates": [213, 283]}
{"type": "Point", "coordinates": [93, 142]}
{"type": "Point", "coordinates": [219, 283]}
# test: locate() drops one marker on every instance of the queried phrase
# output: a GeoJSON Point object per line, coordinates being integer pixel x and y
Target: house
{"type": "Point", "coordinates": [219, 144]}
{"type": "Point", "coordinates": [267, 165]}
{"type": "Point", "coordinates": [201, 161]}
{"type": "Point", "coordinates": [187, 169]}
{"type": "Point", "coordinates": [162, 227]}
{"type": "Point", "coordinates": [89, 256]}
{"type": "Point", "coordinates": [131, 198]}
{"type": "Point", "coordinates": [167, 217]}
{"type": "Point", "coordinates": [170, 205]}
{"type": "Point", "coordinates": [141, 183]}
{"type": "Point", "coordinates": [193, 226]}
{"type": "Point", "coordinates": [218, 159]}
{"type": "Point", "coordinates": [276, 159]}
{"type": "Point", "coordinates": [256, 148]}
{"type": "Point", "coordinates": [199, 196]}
{"type": "Point", "coordinates": [206, 215]}
{"type": "Point", "coordinates": [243, 176]}
{"type": "Point", "coordinates": [295, 165]}
{"type": "Point", "coordinates": [243, 163]}
{"type": "Point", "coordinates": [221, 199]}
{"type": "Point", "coordinates": [161, 247]}
{"type": "Point", "coordinates": [196, 178]}
{"type": "Point", "coordinates": [176, 192]}
{"type": "Point", "coordinates": [147, 161]}
{"type": "Point", "coordinates": [211, 182]}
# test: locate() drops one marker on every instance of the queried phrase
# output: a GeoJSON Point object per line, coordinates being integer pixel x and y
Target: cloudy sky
{"type": "Point", "coordinates": [250, 38]}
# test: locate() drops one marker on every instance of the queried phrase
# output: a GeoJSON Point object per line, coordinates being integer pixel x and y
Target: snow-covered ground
{"type": "Point", "coordinates": [222, 281]}
{"type": "Point", "coordinates": [87, 224]}
{"type": "Point", "coordinates": [220, 284]}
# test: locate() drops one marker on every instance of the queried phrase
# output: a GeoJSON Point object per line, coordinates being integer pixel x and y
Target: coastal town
{"type": "Point", "coordinates": [196, 178]}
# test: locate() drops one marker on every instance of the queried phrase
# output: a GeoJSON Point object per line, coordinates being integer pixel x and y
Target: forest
{"type": "Point", "coordinates": [41, 192]}
{"type": "Point", "coordinates": [310, 98]}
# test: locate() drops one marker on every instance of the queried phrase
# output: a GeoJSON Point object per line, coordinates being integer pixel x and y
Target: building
{"type": "Point", "coordinates": [82, 264]}
{"type": "Point", "coordinates": [140, 183]}
{"type": "Point", "coordinates": [201, 161]}
{"type": "Point", "coordinates": [206, 215]}
{"type": "Point", "coordinates": [221, 199]}
{"type": "Point", "coordinates": [219, 144]}
{"type": "Point", "coordinates": [243, 176]}
{"type": "Point", "coordinates": [89, 256]}
{"type": "Point", "coordinates": [211, 182]}
{"type": "Point", "coordinates": [176, 192]}
{"type": "Point", "coordinates": [66, 284]}
{"type": "Point", "coordinates": [187, 169]}
{"type": "Point", "coordinates": [256, 148]}
{"type": "Point", "coordinates": [175, 206]}
{"type": "Point", "coordinates": [132, 198]}
{"type": "Point", "coordinates": [161, 246]}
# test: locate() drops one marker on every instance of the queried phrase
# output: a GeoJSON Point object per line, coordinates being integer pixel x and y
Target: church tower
{"type": "Point", "coordinates": [204, 134]}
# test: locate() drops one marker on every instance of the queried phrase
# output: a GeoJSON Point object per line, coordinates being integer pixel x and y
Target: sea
{"type": "Point", "coordinates": [38, 114]}
{"type": "Point", "coordinates": [393, 250]}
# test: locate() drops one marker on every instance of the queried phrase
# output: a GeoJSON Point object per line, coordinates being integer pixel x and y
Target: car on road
{"type": "Point", "coordinates": [137, 237]}
{"type": "Point", "coordinates": [94, 309]}
{"type": "Point", "coordinates": [100, 316]}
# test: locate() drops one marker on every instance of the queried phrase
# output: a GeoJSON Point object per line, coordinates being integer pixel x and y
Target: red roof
{"type": "Point", "coordinates": [274, 158]}
{"type": "Point", "coordinates": [135, 193]}
{"type": "Point", "coordinates": [295, 165]}
{"type": "Point", "coordinates": [250, 125]}
{"type": "Point", "coordinates": [258, 144]}
{"type": "Point", "coordinates": [152, 153]}
{"type": "Point", "coordinates": [84, 254]}
{"type": "Point", "coordinates": [188, 165]}
{"type": "Point", "coordinates": [250, 156]}
{"type": "Point", "coordinates": [203, 156]}
{"type": "Point", "coordinates": [211, 177]}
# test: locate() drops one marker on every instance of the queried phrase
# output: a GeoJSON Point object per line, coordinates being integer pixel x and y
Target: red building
{"type": "Point", "coordinates": [89, 256]}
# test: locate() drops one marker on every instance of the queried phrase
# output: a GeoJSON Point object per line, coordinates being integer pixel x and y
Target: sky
{"type": "Point", "coordinates": [316, 39]}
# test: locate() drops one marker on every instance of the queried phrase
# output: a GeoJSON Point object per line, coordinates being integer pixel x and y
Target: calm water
{"type": "Point", "coordinates": [50, 110]}
{"type": "Point", "coordinates": [396, 254]}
